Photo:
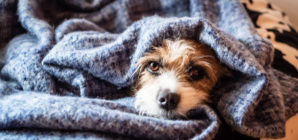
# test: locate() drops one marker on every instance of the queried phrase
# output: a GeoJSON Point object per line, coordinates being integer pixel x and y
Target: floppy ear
{"type": "Point", "coordinates": [225, 72]}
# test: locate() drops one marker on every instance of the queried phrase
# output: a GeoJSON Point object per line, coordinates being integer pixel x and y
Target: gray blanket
{"type": "Point", "coordinates": [66, 77]}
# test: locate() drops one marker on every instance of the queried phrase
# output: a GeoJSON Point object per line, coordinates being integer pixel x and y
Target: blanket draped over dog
{"type": "Point", "coordinates": [66, 77]}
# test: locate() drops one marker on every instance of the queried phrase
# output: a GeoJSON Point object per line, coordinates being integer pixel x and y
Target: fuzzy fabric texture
{"type": "Point", "coordinates": [89, 49]}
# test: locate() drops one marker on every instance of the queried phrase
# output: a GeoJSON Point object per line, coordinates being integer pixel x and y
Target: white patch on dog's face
{"type": "Point", "coordinates": [146, 97]}
{"type": "Point", "coordinates": [171, 69]}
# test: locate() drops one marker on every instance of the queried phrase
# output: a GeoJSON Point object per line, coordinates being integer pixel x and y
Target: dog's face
{"type": "Point", "coordinates": [175, 78]}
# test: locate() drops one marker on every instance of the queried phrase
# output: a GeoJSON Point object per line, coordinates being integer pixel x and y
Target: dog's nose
{"type": "Point", "coordinates": [168, 100]}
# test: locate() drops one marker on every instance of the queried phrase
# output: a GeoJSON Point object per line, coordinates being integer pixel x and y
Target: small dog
{"type": "Point", "coordinates": [175, 78]}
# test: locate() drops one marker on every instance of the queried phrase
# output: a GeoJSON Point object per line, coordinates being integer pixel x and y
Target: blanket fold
{"type": "Point", "coordinates": [92, 50]}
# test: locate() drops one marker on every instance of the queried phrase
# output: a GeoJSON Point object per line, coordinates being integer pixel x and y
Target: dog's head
{"type": "Point", "coordinates": [175, 78]}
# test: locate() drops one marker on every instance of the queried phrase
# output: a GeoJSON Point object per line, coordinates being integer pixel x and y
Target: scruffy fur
{"type": "Point", "coordinates": [175, 59]}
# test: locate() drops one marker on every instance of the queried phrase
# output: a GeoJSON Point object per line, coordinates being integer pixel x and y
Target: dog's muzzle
{"type": "Point", "coordinates": [168, 100]}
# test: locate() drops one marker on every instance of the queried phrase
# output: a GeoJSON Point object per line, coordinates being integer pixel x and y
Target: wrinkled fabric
{"type": "Point", "coordinates": [71, 70]}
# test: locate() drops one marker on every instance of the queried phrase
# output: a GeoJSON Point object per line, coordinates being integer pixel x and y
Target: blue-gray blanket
{"type": "Point", "coordinates": [66, 77]}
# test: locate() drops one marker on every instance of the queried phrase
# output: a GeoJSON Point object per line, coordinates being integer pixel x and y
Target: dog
{"type": "Point", "coordinates": [176, 77]}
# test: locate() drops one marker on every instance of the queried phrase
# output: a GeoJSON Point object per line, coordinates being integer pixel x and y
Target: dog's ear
{"type": "Point", "coordinates": [225, 72]}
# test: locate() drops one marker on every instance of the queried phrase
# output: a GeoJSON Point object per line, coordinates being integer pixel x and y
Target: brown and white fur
{"type": "Point", "coordinates": [175, 78]}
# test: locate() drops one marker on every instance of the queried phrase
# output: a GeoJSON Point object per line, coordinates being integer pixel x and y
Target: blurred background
{"type": "Point", "coordinates": [290, 7]}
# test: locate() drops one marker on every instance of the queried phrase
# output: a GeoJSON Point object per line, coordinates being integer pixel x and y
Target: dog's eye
{"type": "Point", "coordinates": [197, 73]}
{"type": "Point", "coordinates": [153, 66]}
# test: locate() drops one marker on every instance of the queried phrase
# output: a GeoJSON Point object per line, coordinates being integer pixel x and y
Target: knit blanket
{"type": "Point", "coordinates": [67, 76]}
